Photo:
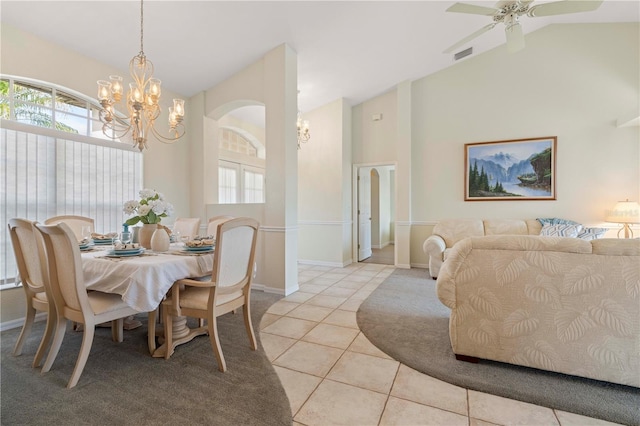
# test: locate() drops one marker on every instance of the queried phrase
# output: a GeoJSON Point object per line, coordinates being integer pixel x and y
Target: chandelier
{"type": "Point", "coordinates": [303, 130]}
{"type": "Point", "coordinates": [142, 101]}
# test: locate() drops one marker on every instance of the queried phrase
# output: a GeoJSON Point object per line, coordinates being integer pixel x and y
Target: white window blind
{"type": "Point", "coordinates": [253, 186]}
{"type": "Point", "coordinates": [44, 175]}
{"type": "Point", "coordinates": [227, 185]}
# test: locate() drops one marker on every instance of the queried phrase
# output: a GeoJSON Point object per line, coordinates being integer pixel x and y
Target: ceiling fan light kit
{"type": "Point", "coordinates": [509, 12]}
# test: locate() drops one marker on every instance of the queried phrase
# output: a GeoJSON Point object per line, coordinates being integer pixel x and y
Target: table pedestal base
{"type": "Point", "coordinates": [181, 334]}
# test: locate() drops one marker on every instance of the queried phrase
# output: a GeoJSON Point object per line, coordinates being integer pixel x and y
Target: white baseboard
{"type": "Point", "coordinates": [420, 265]}
{"type": "Point", "coordinates": [322, 263]}
{"type": "Point", "coordinates": [264, 288]}
{"type": "Point", "coordinates": [16, 323]}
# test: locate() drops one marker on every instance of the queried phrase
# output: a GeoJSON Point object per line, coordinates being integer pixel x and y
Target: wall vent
{"type": "Point", "coordinates": [463, 53]}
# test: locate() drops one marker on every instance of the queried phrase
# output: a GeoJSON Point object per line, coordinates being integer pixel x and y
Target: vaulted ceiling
{"type": "Point", "coordinates": [346, 49]}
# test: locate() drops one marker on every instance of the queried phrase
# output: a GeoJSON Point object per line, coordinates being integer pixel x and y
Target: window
{"type": "Point", "coordinates": [50, 165]}
{"type": "Point", "coordinates": [228, 184]}
{"type": "Point", "coordinates": [240, 168]}
{"type": "Point", "coordinates": [240, 183]}
{"type": "Point", "coordinates": [253, 186]}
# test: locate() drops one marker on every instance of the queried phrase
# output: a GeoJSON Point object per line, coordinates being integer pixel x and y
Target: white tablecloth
{"type": "Point", "coordinates": [142, 281]}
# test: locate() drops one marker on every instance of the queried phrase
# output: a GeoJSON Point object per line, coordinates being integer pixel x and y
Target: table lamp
{"type": "Point", "coordinates": [625, 213]}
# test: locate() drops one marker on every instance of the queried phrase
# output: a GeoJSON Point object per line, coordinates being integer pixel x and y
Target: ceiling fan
{"type": "Point", "coordinates": [509, 12]}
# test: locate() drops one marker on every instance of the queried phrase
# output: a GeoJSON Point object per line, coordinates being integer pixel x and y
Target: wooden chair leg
{"type": "Point", "coordinates": [249, 326]}
{"type": "Point", "coordinates": [151, 331]}
{"type": "Point", "coordinates": [117, 327]}
{"type": "Point", "coordinates": [60, 329]}
{"type": "Point", "coordinates": [46, 338]}
{"type": "Point", "coordinates": [168, 332]}
{"type": "Point", "coordinates": [215, 344]}
{"type": "Point", "coordinates": [85, 348]}
{"type": "Point", "coordinates": [26, 329]}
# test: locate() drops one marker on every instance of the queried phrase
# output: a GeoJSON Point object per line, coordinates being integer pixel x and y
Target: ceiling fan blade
{"type": "Point", "coordinates": [515, 38]}
{"type": "Point", "coordinates": [564, 6]}
{"type": "Point", "coordinates": [473, 9]}
{"type": "Point", "coordinates": [470, 37]}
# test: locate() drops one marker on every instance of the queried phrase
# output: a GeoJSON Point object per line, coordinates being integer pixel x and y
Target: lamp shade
{"type": "Point", "coordinates": [624, 212]}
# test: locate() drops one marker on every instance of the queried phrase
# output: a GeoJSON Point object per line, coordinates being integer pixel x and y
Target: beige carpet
{"type": "Point", "coordinates": [123, 385]}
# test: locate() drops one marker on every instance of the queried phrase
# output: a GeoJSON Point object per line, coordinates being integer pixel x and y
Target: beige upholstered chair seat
{"type": "Point", "coordinates": [196, 298]}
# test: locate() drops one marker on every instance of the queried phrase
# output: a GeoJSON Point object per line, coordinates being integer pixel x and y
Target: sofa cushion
{"type": "Point", "coordinates": [592, 233]}
{"type": "Point", "coordinates": [528, 243]}
{"type": "Point", "coordinates": [560, 230]}
{"type": "Point", "coordinates": [556, 221]}
{"type": "Point", "coordinates": [454, 230]}
{"type": "Point", "coordinates": [616, 247]}
{"type": "Point", "coordinates": [505, 227]}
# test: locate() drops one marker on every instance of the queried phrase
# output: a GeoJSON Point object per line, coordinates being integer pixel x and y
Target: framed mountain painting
{"type": "Point", "coordinates": [519, 169]}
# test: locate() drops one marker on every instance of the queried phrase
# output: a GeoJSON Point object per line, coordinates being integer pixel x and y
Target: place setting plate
{"type": "Point", "coordinates": [125, 252]}
{"type": "Point", "coordinates": [199, 249]}
{"type": "Point", "coordinates": [105, 242]}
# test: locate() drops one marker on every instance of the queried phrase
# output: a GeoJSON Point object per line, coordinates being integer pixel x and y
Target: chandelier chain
{"type": "Point", "coordinates": [141, 29]}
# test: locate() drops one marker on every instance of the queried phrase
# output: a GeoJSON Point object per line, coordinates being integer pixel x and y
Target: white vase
{"type": "Point", "coordinates": [160, 240]}
{"type": "Point", "coordinates": [145, 234]}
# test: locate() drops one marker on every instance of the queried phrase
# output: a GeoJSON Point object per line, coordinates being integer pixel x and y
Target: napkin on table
{"type": "Point", "coordinates": [109, 236]}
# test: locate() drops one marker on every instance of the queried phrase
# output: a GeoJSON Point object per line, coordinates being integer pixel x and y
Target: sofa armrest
{"type": "Point", "coordinates": [435, 246]}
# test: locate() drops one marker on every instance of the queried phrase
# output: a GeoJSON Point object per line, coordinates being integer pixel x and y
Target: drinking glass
{"type": "Point", "coordinates": [85, 232]}
{"type": "Point", "coordinates": [125, 237]}
{"type": "Point", "coordinates": [175, 237]}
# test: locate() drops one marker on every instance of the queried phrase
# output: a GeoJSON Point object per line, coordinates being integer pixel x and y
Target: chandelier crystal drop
{"type": "Point", "coordinates": [142, 101]}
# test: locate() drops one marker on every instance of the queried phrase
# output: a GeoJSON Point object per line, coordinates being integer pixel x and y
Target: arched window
{"type": "Point", "coordinates": [55, 160]}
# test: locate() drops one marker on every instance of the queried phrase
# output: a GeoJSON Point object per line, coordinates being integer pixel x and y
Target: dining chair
{"type": "Point", "coordinates": [187, 226]}
{"type": "Point", "coordinates": [72, 300]}
{"type": "Point", "coordinates": [75, 223]}
{"type": "Point", "coordinates": [212, 225]}
{"type": "Point", "coordinates": [228, 289]}
{"type": "Point", "coordinates": [28, 249]}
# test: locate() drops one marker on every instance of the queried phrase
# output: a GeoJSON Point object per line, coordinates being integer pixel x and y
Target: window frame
{"type": "Point", "coordinates": [87, 143]}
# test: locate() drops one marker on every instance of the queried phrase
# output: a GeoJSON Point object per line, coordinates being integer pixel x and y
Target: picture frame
{"type": "Point", "coordinates": [511, 170]}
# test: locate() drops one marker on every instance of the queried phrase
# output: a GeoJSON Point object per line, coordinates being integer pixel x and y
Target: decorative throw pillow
{"type": "Point", "coordinates": [561, 230]}
{"type": "Point", "coordinates": [592, 233]}
{"type": "Point", "coordinates": [556, 221]}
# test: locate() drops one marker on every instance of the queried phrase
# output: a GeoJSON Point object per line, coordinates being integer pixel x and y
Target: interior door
{"type": "Point", "coordinates": [364, 213]}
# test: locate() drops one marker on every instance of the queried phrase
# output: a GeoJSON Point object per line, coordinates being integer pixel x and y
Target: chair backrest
{"type": "Point", "coordinates": [66, 279]}
{"type": "Point", "coordinates": [235, 252]}
{"type": "Point", "coordinates": [187, 226]}
{"type": "Point", "coordinates": [75, 223]}
{"type": "Point", "coordinates": [212, 226]}
{"type": "Point", "coordinates": [28, 249]}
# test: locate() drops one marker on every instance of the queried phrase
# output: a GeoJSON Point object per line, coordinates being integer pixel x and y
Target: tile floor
{"type": "Point", "coordinates": [334, 376]}
{"type": "Point", "coordinates": [383, 256]}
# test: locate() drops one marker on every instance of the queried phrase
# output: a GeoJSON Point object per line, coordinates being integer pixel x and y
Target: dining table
{"type": "Point", "coordinates": [143, 280]}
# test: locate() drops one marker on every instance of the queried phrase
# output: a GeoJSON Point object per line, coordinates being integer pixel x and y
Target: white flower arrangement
{"type": "Point", "coordinates": [150, 209]}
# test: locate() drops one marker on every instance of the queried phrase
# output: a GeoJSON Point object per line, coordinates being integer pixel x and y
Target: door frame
{"type": "Point", "coordinates": [354, 206]}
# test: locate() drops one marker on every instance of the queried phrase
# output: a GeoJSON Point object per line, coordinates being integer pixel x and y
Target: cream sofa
{"type": "Point", "coordinates": [561, 304]}
{"type": "Point", "coordinates": [448, 232]}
